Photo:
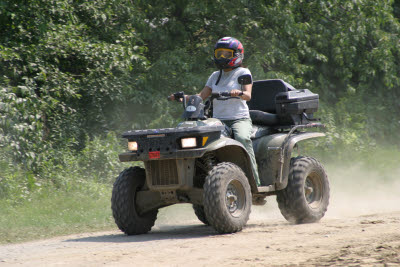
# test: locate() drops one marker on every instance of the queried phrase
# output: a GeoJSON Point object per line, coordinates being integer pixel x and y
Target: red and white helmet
{"type": "Point", "coordinates": [228, 53]}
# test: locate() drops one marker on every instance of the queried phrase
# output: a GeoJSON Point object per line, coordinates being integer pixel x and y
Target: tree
{"type": "Point", "coordinates": [72, 69]}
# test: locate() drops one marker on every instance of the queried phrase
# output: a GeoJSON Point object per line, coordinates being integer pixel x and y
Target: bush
{"type": "Point", "coordinates": [64, 170]}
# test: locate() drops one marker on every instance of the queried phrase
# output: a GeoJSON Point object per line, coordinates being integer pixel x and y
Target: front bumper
{"type": "Point", "coordinates": [187, 153]}
{"type": "Point", "coordinates": [156, 144]}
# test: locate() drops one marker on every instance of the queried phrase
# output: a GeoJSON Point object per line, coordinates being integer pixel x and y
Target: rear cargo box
{"type": "Point", "coordinates": [297, 106]}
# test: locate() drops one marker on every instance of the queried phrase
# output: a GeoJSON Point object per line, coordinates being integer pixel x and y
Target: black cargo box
{"type": "Point", "coordinates": [277, 103]}
{"type": "Point", "coordinates": [297, 106]}
{"type": "Point", "coordinates": [296, 102]}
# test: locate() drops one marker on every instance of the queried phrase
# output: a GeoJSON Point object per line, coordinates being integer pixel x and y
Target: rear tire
{"type": "Point", "coordinates": [306, 197]}
{"type": "Point", "coordinates": [123, 203]}
{"type": "Point", "coordinates": [227, 198]}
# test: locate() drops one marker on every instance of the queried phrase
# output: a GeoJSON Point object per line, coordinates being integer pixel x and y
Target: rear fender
{"type": "Point", "coordinates": [286, 154]}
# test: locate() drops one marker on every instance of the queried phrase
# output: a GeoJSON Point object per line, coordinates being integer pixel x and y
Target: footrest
{"type": "Point", "coordinates": [265, 189]}
{"type": "Point", "coordinates": [259, 200]}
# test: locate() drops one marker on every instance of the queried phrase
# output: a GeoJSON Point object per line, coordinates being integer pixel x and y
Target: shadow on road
{"type": "Point", "coordinates": [160, 233]}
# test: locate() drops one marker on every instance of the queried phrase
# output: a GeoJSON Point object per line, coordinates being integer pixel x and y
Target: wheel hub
{"type": "Point", "coordinates": [308, 190]}
{"type": "Point", "coordinates": [231, 199]}
{"type": "Point", "coordinates": [313, 190]}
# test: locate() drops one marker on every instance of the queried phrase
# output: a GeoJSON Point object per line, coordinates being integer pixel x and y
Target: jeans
{"type": "Point", "coordinates": [242, 129]}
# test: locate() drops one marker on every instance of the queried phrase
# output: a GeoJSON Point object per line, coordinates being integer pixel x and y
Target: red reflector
{"type": "Point", "coordinates": [154, 154]}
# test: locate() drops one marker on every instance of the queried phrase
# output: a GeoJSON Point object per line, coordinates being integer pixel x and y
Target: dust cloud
{"type": "Point", "coordinates": [357, 191]}
{"type": "Point", "coordinates": [354, 191]}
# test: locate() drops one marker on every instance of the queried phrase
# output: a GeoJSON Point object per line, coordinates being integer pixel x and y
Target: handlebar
{"type": "Point", "coordinates": [177, 96]}
{"type": "Point", "coordinates": [180, 97]}
{"type": "Point", "coordinates": [224, 95]}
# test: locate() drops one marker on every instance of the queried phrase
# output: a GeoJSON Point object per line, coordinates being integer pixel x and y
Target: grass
{"type": "Point", "coordinates": [70, 194]}
{"type": "Point", "coordinates": [55, 214]}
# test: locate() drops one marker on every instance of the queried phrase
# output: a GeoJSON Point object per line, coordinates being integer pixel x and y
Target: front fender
{"type": "Point", "coordinates": [222, 142]}
{"type": "Point", "coordinates": [230, 150]}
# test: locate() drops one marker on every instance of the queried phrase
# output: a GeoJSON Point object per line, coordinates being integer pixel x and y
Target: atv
{"type": "Point", "coordinates": [199, 162]}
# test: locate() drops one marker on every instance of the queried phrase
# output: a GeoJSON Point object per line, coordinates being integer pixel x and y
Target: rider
{"type": "Point", "coordinates": [234, 112]}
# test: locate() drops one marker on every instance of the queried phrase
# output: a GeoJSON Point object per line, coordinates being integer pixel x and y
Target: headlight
{"type": "Point", "coordinates": [188, 142]}
{"type": "Point", "coordinates": [132, 146]}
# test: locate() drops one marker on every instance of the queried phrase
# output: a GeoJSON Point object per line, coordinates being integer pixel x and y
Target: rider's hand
{"type": "Point", "coordinates": [171, 97]}
{"type": "Point", "coordinates": [235, 92]}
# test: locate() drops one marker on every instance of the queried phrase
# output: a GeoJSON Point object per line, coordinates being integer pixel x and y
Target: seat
{"type": "Point", "coordinates": [262, 105]}
{"type": "Point", "coordinates": [263, 118]}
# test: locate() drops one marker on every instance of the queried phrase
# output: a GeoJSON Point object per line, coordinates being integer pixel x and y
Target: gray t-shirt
{"type": "Point", "coordinates": [233, 108]}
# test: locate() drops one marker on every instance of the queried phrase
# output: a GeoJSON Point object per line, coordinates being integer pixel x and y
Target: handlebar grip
{"type": "Point", "coordinates": [228, 94]}
{"type": "Point", "coordinates": [225, 94]}
{"type": "Point", "coordinates": [176, 96]}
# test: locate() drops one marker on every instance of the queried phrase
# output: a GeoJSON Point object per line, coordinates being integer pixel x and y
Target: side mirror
{"type": "Point", "coordinates": [245, 79]}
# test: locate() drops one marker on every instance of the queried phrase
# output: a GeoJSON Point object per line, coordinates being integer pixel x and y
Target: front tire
{"type": "Point", "coordinates": [199, 211]}
{"type": "Point", "coordinates": [306, 197]}
{"type": "Point", "coordinates": [227, 198]}
{"type": "Point", "coordinates": [123, 203]}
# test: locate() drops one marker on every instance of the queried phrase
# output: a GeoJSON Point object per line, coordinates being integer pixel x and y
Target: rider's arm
{"type": "Point", "coordinates": [206, 92]}
{"type": "Point", "coordinates": [246, 92]}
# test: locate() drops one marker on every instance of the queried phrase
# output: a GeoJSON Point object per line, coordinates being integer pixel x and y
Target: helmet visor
{"type": "Point", "coordinates": [223, 53]}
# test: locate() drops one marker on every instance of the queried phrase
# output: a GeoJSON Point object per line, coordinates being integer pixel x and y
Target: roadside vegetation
{"type": "Point", "coordinates": [70, 196]}
{"type": "Point", "coordinates": [75, 74]}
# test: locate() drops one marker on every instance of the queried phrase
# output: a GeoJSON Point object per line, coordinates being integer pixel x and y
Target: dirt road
{"type": "Point", "coordinates": [372, 239]}
{"type": "Point", "coordinates": [361, 228]}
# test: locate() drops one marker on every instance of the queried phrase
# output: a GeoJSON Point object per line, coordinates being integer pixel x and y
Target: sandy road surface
{"type": "Point", "coordinates": [361, 228]}
{"type": "Point", "coordinates": [368, 240]}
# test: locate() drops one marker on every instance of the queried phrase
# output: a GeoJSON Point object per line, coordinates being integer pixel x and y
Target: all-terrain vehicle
{"type": "Point", "coordinates": [199, 162]}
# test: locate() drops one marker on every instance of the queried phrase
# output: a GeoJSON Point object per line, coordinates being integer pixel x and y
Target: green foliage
{"type": "Point", "coordinates": [73, 71]}
{"type": "Point", "coordinates": [60, 77]}
{"type": "Point", "coordinates": [64, 170]}
{"type": "Point", "coordinates": [70, 193]}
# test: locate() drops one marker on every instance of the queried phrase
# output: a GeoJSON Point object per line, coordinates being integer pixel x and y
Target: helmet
{"type": "Point", "coordinates": [228, 53]}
